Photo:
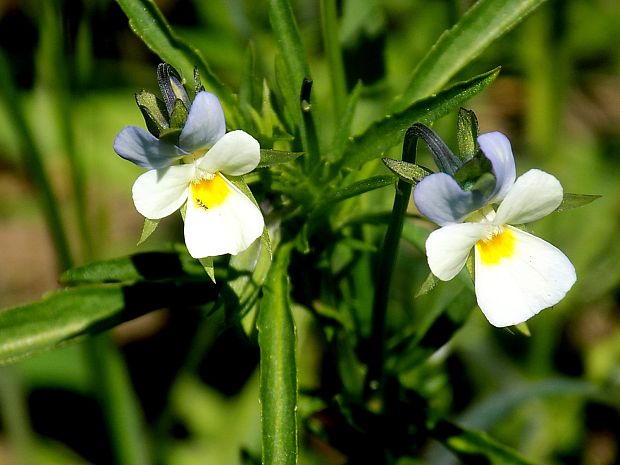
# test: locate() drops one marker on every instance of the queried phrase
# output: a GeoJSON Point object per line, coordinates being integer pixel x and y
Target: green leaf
{"type": "Point", "coordinates": [474, 447]}
{"type": "Point", "coordinates": [149, 228]}
{"type": "Point", "coordinates": [408, 172]}
{"type": "Point", "coordinates": [275, 157]}
{"type": "Point", "coordinates": [345, 121]}
{"type": "Point", "coordinates": [151, 27]}
{"type": "Point", "coordinates": [390, 130]}
{"type": "Point", "coordinates": [571, 201]}
{"type": "Point", "coordinates": [278, 370]}
{"type": "Point", "coordinates": [68, 314]}
{"type": "Point", "coordinates": [486, 21]}
{"type": "Point", "coordinates": [144, 266]}
{"type": "Point", "coordinates": [467, 134]}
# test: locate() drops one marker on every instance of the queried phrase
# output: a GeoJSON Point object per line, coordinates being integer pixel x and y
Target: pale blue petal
{"type": "Point", "coordinates": [205, 123]}
{"type": "Point", "coordinates": [440, 198]}
{"type": "Point", "coordinates": [496, 147]}
{"type": "Point", "coordinates": [144, 149]}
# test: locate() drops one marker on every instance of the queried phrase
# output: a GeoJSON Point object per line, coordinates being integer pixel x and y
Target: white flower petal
{"type": "Point", "coordinates": [535, 194]}
{"type": "Point", "coordinates": [144, 149]}
{"type": "Point", "coordinates": [205, 123]}
{"type": "Point", "coordinates": [527, 276]}
{"type": "Point", "coordinates": [447, 248]}
{"type": "Point", "coordinates": [158, 193]}
{"type": "Point", "coordinates": [236, 153]}
{"type": "Point", "coordinates": [230, 225]}
{"type": "Point", "coordinates": [496, 147]}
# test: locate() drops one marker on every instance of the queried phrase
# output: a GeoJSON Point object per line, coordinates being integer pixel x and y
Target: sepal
{"type": "Point", "coordinates": [466, 134]}
{"type": "Point", "coordinates": [408, 172]}
{"type": "Point", "coordinates": [153, 111]}
{"type": "Point", "coordinates": [476, 175]}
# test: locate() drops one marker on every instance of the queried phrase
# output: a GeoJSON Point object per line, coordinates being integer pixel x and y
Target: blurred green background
{"type": "Point", "coordinates": [76, 65]}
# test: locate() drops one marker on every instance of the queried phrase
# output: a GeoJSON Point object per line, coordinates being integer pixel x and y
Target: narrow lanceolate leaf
{"type": "Point", "coordinates": [486, 21]}
{"type": "Point", "coordinates": [474, 447]}
{"type": "Point", "coordinates": [390, 130]}
{"type": "Point", "coordinates": [149, 228]}
{"type": "Point", "coordinates": [278, 371]}
{"type": "Point", "coordinates": [275, 157]}
{"type": "Point", "coordinates": [151, 27]}
{"type": "Point", "coordinates": [576, 200]}
{"type": "Point", "coordinates": [71, 313]}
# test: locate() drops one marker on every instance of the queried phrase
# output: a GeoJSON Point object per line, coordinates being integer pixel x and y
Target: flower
{"type": "Point", "coordinates": [516, 274]}
{"type": "Point", "coordinates": [219, 218]}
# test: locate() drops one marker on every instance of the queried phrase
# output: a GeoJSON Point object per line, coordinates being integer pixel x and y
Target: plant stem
{"type": "Point", "coordinates": [331, 43]}
{"type": "Point", "coordinates": [15, 417]}
{"type": "Point", "coordinates": [387, 259]}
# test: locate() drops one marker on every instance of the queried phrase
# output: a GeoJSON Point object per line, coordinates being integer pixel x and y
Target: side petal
{"type": "Point", "coordinates": [440, 198]}
{"type": "Point", "coordinates": [158, 193]}
{"type": "Point", "coordinates": [496, 147]}
{"type": "Point", "coordinates": [512, 289]}
{"type": "Point", "coordinates": [447, 248]}
{"type": "Point", "coordinates": [236, 153]}
{"type": "Point", "coordinates": [144, 149]}
{"type": "Point", "coordinates": [534, 195]}
{"type": "Point", "coordinates": [230, 226]}
{"type": "Point", "coordinates": [205, 123]}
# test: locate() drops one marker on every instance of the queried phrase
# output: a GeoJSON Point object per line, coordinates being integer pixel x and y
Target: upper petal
{"type": "Point", "coordinates": [230, 226]}
{"type": "Point", "coordinates": [535, 194]}
{"type": "Point", "coordinates": [158, 193]}
{"type": "Point", "coordinates": [144, 149]}
{"type": "Point", "coordinates": [236, 153]}
{"type": "Point", "coordinates": [447, 248]}
{"type": "Point", "coordinates": [496, 147]}
{"type": "Point", "coordinates": [205, 123]}
{"type": "Point", "coordinates": [513, 287]}
{"type": "Point", "coordinates": [440, 198]}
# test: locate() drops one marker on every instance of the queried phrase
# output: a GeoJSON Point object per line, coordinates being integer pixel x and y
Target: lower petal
{"type": "Point", "coordinates": [158, 193]}
{"type": "Point", "coordinates": [521, 280]}
{"type": "Point", "coordinates": [448, 247]}
{"type": "Point", "coordinates": [230, 226]}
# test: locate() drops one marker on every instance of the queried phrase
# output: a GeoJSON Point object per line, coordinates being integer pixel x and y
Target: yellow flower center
{"type": "Point", "coordinates": [493, 249]}
{"type": "Point", "coordinates": [210, 192]}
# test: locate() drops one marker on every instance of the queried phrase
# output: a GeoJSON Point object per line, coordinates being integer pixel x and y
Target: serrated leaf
{"type": "Point", "coordinates": [275, 157]}
{"type": "Point", "coordinates": [207, 264]}
{"type": "Point", "coordinates": [278, 369]}
{"type": "Point", "coordinates": [408, 172]}
{"type": "Point", "coordinates": [389, 131]}
{"type": "Point", "coordinates": [68, 314]}
{"type": "Point", "coordinates": [571, 201]}
{"type": "Point", "coordinates": [149, 228]}
{"type": "Point", "coordinates": [477, 29]}
{"type": "Point", "coordinates": [475, 447]}
{"type": "Point", "coordinates": [467, 133]}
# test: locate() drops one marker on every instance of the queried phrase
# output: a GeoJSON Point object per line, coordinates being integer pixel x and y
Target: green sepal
{"type": "Point", "coordinates": [198, 87]}
{"type": "Point", "coordinates": [523, 329]}
{"type": "Point", "coordinates": [476, 175]}
{"type": "Point", "coordinates": [467, 134]}
{"type": "Point", "coordinates": [571, 201]}
{"type": "Point", "coordinates": [207, 264]}
{"type": "Point", "coordinates": [275, 157]}
{"type": "Point", "coordinates": [408, 172]}
{"type": "Point", "coordinates": [171, 135]}
{"type": "Point", "coordinates": [429, 283]}
{"type": "Point", "coordinates": [149, 228]}
{"type": "Point", "coordinates": [179, 115]}
{"type": "Point", "coordinates": [153, 111]}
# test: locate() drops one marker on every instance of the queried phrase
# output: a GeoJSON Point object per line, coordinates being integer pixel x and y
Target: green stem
{"type": "Point", "coordinates": [331, 43]}
{"type": "Point", "coordinates": [15, 416]}
{"type": "Point", "coordinates": [118, 400]}
{"type": "Point", "coordinates": [387, 259]}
